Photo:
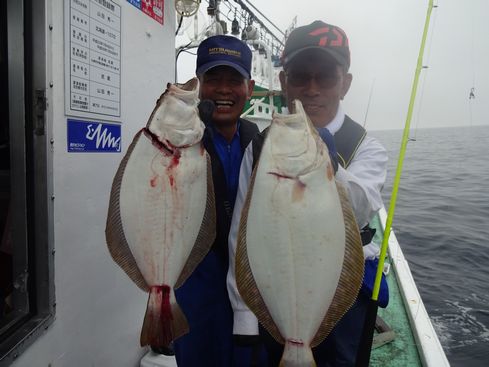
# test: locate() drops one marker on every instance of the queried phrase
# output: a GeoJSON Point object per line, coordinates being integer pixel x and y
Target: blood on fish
{"type": "Point", "coordinates": [157, 327]}
{"type": "Point", "coordinates": [166, 148]}
{"type": "Point", "coordinates": [279, 175]}
{"type": "Point", "coordinates": [166, 315]}
{"type": "Point", "coordinates": [173, 163]}
{"type": "Point", "coordinates": [153, 181]}
{"type": "Point", "coordinates": [329, 172]}
{"type": "Point", "coordinates": [298, 190]}
{"type": "Point", "coordinates": [175, 160]}
{"type": "Point", "coordinates": [295, 342]}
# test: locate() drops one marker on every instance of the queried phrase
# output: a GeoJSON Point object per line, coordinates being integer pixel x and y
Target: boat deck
{"type": "Point", "coordinates": [415, 342]}
{"type": "Point", "coordinates": [402, 351]}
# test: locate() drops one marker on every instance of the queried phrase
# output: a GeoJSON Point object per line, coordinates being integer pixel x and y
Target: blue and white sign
{"type": "Point", "coordinates": [90, 136]}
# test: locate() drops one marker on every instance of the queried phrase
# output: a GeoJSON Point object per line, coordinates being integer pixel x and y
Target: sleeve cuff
{"type": "Point", "coordinates": [245, 323]}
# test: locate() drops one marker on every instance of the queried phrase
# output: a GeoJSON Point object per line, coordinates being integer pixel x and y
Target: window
{"type": "Point", "coordinates": [26, 264]}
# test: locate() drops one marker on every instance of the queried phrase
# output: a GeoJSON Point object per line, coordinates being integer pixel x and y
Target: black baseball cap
{"type": "Point", "coordinates": [317, 35]}
{"type": "Point", "coordinates": [224, 50]}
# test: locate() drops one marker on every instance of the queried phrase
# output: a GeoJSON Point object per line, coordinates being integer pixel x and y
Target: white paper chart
{"type": "Point", "coordinates": [93, 43]}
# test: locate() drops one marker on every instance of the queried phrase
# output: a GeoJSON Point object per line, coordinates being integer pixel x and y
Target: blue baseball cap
{"type": "Point", "coordinates": [224, 50]}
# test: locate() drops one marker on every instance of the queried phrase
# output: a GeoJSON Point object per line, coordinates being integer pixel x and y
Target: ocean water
{"type": "Point", "coordinates": [442, 224]}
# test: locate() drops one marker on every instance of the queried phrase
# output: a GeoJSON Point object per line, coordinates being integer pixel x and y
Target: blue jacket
{"type": "Point", "coordinates": [203, 297]}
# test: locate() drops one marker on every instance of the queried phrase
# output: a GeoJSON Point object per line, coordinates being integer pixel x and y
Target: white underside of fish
{"type": "Point", "coordinates": [162, 203]}
{"type": "Point", "coordinates": [295, 245]}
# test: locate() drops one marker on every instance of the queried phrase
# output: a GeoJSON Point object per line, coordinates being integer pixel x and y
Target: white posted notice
{"type": "Point", "coordinates": [93, 59]}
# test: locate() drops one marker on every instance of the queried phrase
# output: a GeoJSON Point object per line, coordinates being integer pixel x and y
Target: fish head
{"type": "Point", "coordinates": [296, 147]}
{"type": "Point", "coordinates": [175, 119]}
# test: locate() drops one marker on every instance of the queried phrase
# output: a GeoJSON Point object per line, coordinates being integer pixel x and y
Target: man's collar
{"type": "Point", "coordinates": [217, 132]}
{"type": "Point", "coordinates": [335, 124]}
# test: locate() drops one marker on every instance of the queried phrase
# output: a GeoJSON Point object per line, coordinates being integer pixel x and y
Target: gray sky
{"type": "Point", "coordinates": [385, 37]}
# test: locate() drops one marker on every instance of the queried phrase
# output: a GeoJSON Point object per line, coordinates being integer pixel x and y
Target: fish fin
{"type": "Point", "coordinates": [297, 355]}
{"type": "Point", "coordinates": [114, 231]}
{"type": "Point", "coordinates": [244, 277]}
{"type": "Point", "coordinates": [207, 232]}
{"type": "Point", "coordinates": [179, 323]}
{"type": "Point", "coordinates": [351, 273]}
{"type": "Point", "coordinates": [189, 85]}
{"type": "Point", "coordinates": [163, 321]}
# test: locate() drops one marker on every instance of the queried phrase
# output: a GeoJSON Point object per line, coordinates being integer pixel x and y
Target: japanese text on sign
{"type": "Point", "coordinates": [94, 58]}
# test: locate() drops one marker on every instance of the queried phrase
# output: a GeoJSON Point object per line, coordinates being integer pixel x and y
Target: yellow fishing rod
{"type": "Point", "coordinates": [363, 355]}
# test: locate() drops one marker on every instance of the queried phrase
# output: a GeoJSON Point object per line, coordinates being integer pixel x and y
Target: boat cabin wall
{"type": "Point", "coordinates": [99, 310]}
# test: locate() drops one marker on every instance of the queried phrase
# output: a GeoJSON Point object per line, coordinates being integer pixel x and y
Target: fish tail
{"type": "Point", "coordinates": [157, 326]}
{"type": "Point", "coordinates": [179, 323]}
{"type": "Point", "coordinates": [297, 355]}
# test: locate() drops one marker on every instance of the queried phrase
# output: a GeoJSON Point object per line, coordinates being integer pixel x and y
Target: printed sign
{"type": "Point", "coordinates": [136, 3]}
{"type": "Point", "coordinates": [90, 136]}
{"type": "Point", "coordinates": [153, 8]}
{"type": "Point", "coordinates": [93, 56]}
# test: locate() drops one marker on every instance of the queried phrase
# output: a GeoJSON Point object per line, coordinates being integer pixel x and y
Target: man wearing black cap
{"type": "Point", "coordinates": [316, 60]}
{"type": "Point", "coordinates": [223, 69]}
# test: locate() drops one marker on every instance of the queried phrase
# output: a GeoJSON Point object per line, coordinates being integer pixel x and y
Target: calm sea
{"type": "Point", "coordinates": [442, 224]}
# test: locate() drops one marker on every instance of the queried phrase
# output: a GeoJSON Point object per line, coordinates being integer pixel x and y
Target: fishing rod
{"type": "Point", "coordinates": [363, 354]}
{"type": "Point", "coordinates": [368, 103]}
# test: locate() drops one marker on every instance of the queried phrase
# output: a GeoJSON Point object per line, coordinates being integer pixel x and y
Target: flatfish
{"type": "Point", "coordinates": [299, 261]}
{"type": "Point", "coordinates": [161, 218]}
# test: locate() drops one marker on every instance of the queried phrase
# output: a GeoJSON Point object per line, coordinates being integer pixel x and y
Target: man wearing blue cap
{"type": "Point", "coordinates": [223, 68]}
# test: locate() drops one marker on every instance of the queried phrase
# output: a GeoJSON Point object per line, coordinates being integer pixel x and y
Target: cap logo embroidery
{"type": "Point", "coordinates": [225, 51]}
{"type": "Point", "coordinates": [340, 36]}
{"type": "Point", "coordinates": [319, 31]}
{"type": "Point", "coordinates": [323, 41]}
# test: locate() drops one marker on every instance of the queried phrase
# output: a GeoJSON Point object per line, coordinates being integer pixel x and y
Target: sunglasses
{"type": "Point", "coordinates": [325, 79]}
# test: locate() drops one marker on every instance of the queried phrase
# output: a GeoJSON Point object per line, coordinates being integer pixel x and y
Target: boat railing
{"type": "Point", "coordinates": [429, 347]}
{"type": "Point", "coordinates": [259, 108]}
